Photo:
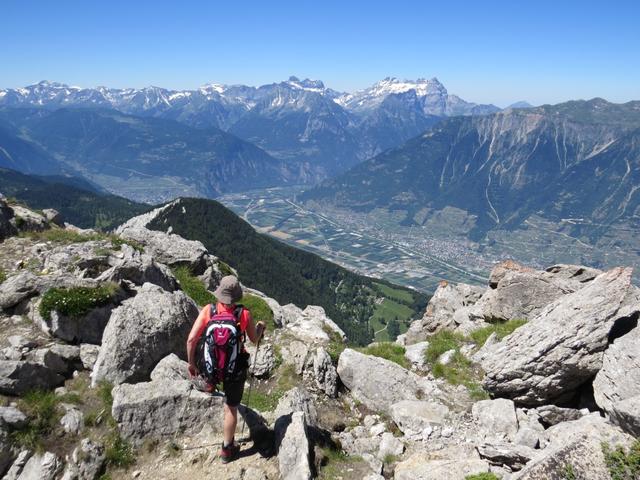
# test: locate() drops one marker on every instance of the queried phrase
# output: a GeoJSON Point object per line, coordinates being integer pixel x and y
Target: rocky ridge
{"type": "Point", "coordinates": [558, 384]}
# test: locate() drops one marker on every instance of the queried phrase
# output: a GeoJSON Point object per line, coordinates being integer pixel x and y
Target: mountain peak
{"type": "Point", "coordinates": [306, 84]}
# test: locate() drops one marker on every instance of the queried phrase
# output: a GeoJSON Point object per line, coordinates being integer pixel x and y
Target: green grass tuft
{"type": "Point", "coordinates": [388, 351]}
{"type": "Point", "coordinates": [119, 452]}
{"type": "Point", "coordinates": [268, 401]}
{"type": "Point", "coordinates": [117, 242]}
{"type": "Point", "coordinates": [482, 476]}
{"type": "Point", "coordinates": [260, 310]}
{"type": "Point", "coordinates": [40, 407]}
{"type": "Point", "coordinates": [442, 342]}
{"type": "Point", "coordinates": [623, 464]}
{"type": "Point", "coordinates": [479, 337]}
{"type": "Point", "coordinates": [76, 302]}
{"type": "Point", "coordinates": [193, 286]}
{"type": "Point", "coordinates": [3, 275]}
{"type": "Point", "coordinates": [224, 269]}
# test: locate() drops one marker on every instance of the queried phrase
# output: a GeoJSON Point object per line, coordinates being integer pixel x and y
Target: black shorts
{"type": "Point", "coordinates": [233, 389]}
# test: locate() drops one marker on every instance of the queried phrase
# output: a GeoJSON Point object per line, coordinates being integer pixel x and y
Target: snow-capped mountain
{"type": "Point", "coordinates": [432, 95]}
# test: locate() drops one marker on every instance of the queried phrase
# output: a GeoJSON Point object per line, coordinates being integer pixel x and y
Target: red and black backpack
{"type": "Point", "coordinates": [219, 352]}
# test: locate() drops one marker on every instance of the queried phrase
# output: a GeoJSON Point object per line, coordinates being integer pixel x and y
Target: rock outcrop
{"type": "Point", "coordinates": [532, 366]}
{"type": "Point", "coordinates": [141, 332]}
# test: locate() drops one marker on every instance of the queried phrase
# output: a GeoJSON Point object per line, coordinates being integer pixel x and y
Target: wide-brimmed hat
{"type": "Point", "coordinates": [229, 290]}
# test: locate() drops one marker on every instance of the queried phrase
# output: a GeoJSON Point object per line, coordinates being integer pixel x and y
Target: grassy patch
{"type": "Point", "coordinates": [118, 452]}
{"type": "Point", "coordinates": [224, 269]}
{"type": "Point", "coordinates": [388, 351]}
{"type": "Point", "coordinates": [41, 410]}
{"type": "Point", "coordinates": [267, 400]}
{"type": "Point", "coordinates": [623, 464]}
{"type": "Point", "coordinates": [117, 242]}
{"type": "Point", "coordinates": [568, 473]}
{"type": "Point", "coordinates": [460, 370]}
{"type": "Point", "coordinates": [193, 287]}
{"type": "Point", "coordinates": [394, 293]}
{"type": "Point", "coordinates": [3, 275]}
{"type": "Point", "coordinates": [482, 476]}
{"type": "Point", "coordinates": [60, 235]}
{"type": "Point", "coordinates": [479, 337]}
{"type": "Point", "coordinates": [76, 302]}
{"type": "Point", "coordinates": [442, 342]}
{"type": "Point", "coordinates": [260, 310]}
{"type": "Point", "coordinates": [334, 462]}
{"type": "Point", "coordinates": [336, 345]}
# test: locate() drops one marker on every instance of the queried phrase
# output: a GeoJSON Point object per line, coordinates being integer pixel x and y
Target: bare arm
{"type": "Point", "coordinates": [254, 331]}
{"type": "Point", "coordinates": [194, 336]}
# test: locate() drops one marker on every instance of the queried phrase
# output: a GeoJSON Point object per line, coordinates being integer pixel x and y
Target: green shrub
{"type": "Point", "coordinates": [224, 269]}
{"type": "Point", "coordinates": [76, 302]}
{"type": "Point", "coordinates": [482, 476]}
{"type": "Point", "coordinates": [622, 464]}
{"type": "Point", "coordinates": [193, 286]}
{"type": "Point", "coordinates": [479, 337]}
{"type": "Point", "coordinates": [60, 235]}
{"type": "Point", "coordinates": [3, 275]}
{"type": "Point", "coordinates": [388, 351]}
{"type": "Point", "coordinates": [568, 473]}
{"type": "Point", "coordinates": [40, 407]}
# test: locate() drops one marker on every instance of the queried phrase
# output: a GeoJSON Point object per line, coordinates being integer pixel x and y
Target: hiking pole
{"type": "Point", "coordinates": [251, 374]}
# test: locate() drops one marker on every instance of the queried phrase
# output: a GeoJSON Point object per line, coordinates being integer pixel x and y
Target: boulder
{"type": "Point", "coordinates": [626, 413]}
{"type": "Point", "coordinates": [619, 378]}
{"type": "Point", "coordinates": [7, 228]}
{"type": "Point", "coordinates": [311, 325]}
{"type": "Point", "coordinates": [159, 409]}
{"type": "Point", "coordinates": [446, 301]}
{"type": "Point", "coordinates": [297, 400]}
{"type": "Point", "coordinates": [456, 466]}
{"type": "Point", "coordinates": [293, 447]}
{"type": "Point", "coordinates": [413, 416]}
{"type": "Point", "coordinates": [168, 248]}
{"type": "Point", "coordinates": [19, 342]}
{"type": "Point", "coordinates": [86, 462]}
{"type": "Point", "coordinates": [379, 383]}
{"type": "Point", "coordinates": [63, 359]}
{"type": "Point", "coordinates": [415, 354]}
{"type": "Point", "coordinates": [577, 275]}
{"type": "Point", "coordinates": [7, 453]}
{"type": "Point", "coordinates": [503, 268]}
{"type": "Point", "coordinates": [141, 332]}
{"type": "Point", "coordinates": [53, 216]}
{"type": "Point", "coordinates": [513, 456]}
{"type": "Point", "coordinates": [262, 364]}
{"type": "Point", "coordinates": [12, 417]}
{"type": "Point", "coordinates": [89, 355]}
{"type": "Point", "coordinates": [390, 445]}
{"type": "Point", "coordinates": [170, 368]}
{"type": "Point", "coordinates": [18, 464]}
{"type": "Point", "coordinates": [45, 466]}
{"type": "Point", "coordinates": [18, 288]}
{"type": "Point", "coordinates": [521, 295]}
{"type": "Point", "coordinates": [18, 377]}
{"type": "Point", "coordinates": [552, 415]}
{"type": "Point", "coordinates": [26, 220]}
{"type": "Point", "coordinates": [590, 426]}
{"type": "Point", "coordinates": [496, 419]}
{"type": "Point", "coordinates": [540, 363]}
{"type": "Point", "coordinates": [295, 352]}
{"type": "Point", "coordinates": [73, 419]}
{"type": "Point", "coordinates": [87, 328]}
{"type": "Point", "coordinates": [325, 374]}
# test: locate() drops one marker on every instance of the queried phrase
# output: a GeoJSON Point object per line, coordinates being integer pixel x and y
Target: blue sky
{"type": "Point", "coordinates": [485, 51]}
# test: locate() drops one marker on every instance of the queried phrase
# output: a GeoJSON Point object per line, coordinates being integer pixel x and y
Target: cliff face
{"type": "Point", "coordinates": [525, 378]}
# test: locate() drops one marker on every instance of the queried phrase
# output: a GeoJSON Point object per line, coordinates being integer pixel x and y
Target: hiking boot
{"type": "Point", "coordinates": [229, 453]}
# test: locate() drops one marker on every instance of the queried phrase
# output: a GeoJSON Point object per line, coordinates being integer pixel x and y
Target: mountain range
{"type": "Point", "coordinates": [312, 132]}
{"type": "Point", "coordinates": [577, 160]}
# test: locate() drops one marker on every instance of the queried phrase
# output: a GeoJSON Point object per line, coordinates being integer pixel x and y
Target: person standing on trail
{"type": "Point", "coordinates": [215, 351]}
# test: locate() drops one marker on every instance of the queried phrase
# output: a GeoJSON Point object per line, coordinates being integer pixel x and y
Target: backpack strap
{"type": "Point", "coordinates": [212, 311]}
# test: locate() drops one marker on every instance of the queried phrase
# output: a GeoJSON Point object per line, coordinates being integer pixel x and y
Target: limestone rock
{"type": "Point", "coordinates": [533, 367]}
{"type": "Point", "coordinates": [552, 415]}
{"type": "Point", "coordinates": [379, 383]}
{"type": "Point", "coordinates": [141, 332]}
{"type": "Point", "coordinates": [41, 467]}
{"type": "Point", "coordinates": [513, 456]}
{"type": "Point", "coordinates": [626, 413]}
{"type": "Point", "coordinates": [170, 368]}
{"type": "Point", "coordinates": [86, 461]}
{"type": "Point", "coordinates": [420, 466]}
{"type": "Point", "coordinates": [390, 445]}
{"type": "Point", "coordinates": [619, 378]}
{"type": "Point", "coordinates": [413, 416]}
{"type": "Point", "coordinates": [295, 352]}
{"type": "Point", "coordinates": [17, 288]}
{"type": "Point", "coordinates": [590, 426]}
{"type": "Point", "coordinates": [89, 355]}
{"type": "Point", "coordinates": [496, 418]}
{"type": "Point", "coordinates": [325, 373]}
{"type": "Point", "coordinates": [297, 400]}
{"type": "Point", "coordinates": [311, 324]}
{"type": "Point", "coordinates": [63, 359]}
{"type": "Point", "coordinates": [262, 364]}
{"type": "Point", "coordinates": [27, 220]}
{"type": "Point", "coordinates": [12, 417]}
{"type": "Point", "coordinates": [18, 377]}
{"type": "Point", "coordinates": [577, 275]}
{"type": "Point", "coordinates": [73, 420]}
{"type": "Point", "coordinates": [88, 328]}
{"type": "Point", "coordinates": [18, 464]}
{"type": "Point", "coordinates": [446, 301]}
{"type": "Point", "coordinates": [293, 447]}
{"type": "Point", "coordinates": [159, 409]}
{"type": "Point", "coordinates": [53, 216]}
{"type": "Point", "coordinates": [415, 354]}
{"type": "Point", "coordinates": [7, 453]}
{"type": "Point", "coordinates": [7, 228]}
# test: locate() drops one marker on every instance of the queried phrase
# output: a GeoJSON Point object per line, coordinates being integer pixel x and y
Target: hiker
{"type": "Point", "coordinates": [232, 360]}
